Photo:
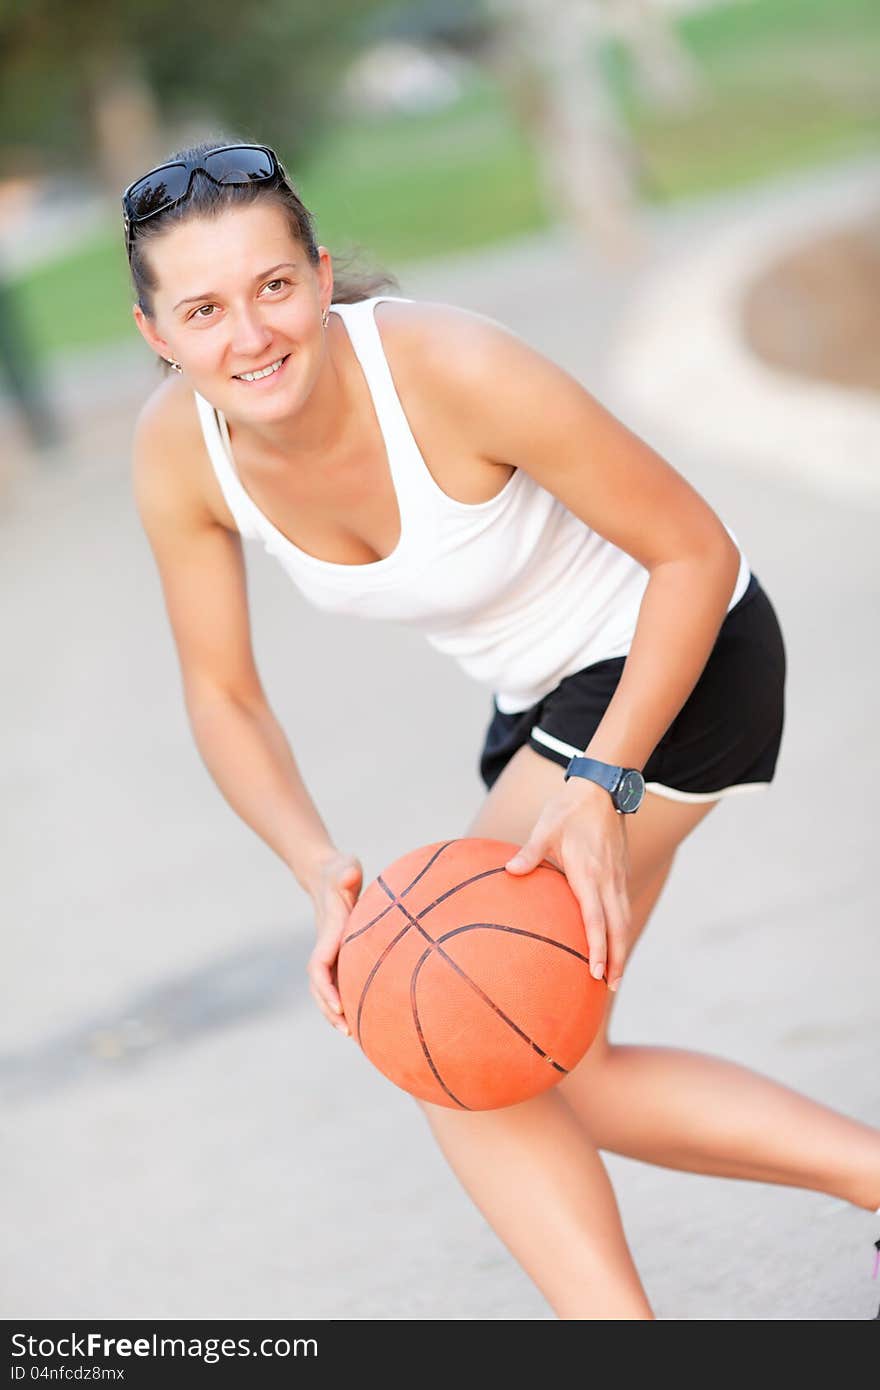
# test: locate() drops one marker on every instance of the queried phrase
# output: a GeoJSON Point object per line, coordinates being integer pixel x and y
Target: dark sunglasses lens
{"type": "Point", "coordinates": [158, 190]}
{"type": "Point", "coordinates": [243, 165]}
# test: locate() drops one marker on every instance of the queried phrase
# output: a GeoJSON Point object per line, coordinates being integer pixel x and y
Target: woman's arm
{"type": "Point", "coordinates": [520, 408]}
{"type": "Point", "coordinates": [245, 750]}
{"type": "Point", "coordinates": [201, 567]}
{"type": "Point", "coordinates": [202, 572]}
{"type": "Point", "coordinates": [680, 615]}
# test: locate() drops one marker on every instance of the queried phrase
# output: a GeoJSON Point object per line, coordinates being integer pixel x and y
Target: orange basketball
{"type": "Point", "coordinates": [467, 985]}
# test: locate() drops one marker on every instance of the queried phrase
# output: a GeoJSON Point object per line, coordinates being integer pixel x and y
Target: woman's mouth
{"type": "Point", "coordinates": [261, 376]}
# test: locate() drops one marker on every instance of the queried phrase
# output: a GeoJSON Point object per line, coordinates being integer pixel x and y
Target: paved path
{"type": "Point", "coordinates": [184, 1135]}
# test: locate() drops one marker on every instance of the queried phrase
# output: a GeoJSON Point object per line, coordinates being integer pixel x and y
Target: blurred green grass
{"type": "Point", "coordinates": [788, 83]}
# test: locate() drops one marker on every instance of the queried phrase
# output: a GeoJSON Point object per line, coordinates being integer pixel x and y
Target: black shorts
{"type": "Point", "coordinates": [725, 738]}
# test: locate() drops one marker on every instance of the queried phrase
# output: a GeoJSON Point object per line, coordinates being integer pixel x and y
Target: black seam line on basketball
{"type": "Point", "coordinates": [473, 984]}
{"type": "Point", "coordinates": [421, 1036]}
{"type": "Point", "coordinates": [416, 920]}
{"type": "Point", "coordinates": [465, 883]}
{"type": "Point", "coordinates": [517, 931]}
{"type": "Point", "coordinates": [413, 921]}
{"type": "Point", "coordinates": [492, 1005]}
{"type": "Point", "coordinates": [485, 873]}
{"type": "Point", "coordinates": [384, 913]}
{"type": "Point", "coordinates": [369, 980]}
{"type": "Point", "coordinates": [450, 892]}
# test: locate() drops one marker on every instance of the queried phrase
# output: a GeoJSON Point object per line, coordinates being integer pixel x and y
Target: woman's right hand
{"type": "Point", "coordinates": [336, 888]}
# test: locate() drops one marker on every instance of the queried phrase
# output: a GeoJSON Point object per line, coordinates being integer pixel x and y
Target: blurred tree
{"type": "Point", "coordinates": [664, 70]}
{"type": "Point", "coordinates": [20, 371]}
{"type": "Point", "coordinates": [87, 83]}
{"type": "Point", "coordinates": [548, 56]}
{"type": "Point", "coordinates": [550, 60]}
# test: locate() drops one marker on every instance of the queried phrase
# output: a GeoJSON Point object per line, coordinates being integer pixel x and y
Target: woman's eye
{"type": "Point", "coordinates": [206, 311]}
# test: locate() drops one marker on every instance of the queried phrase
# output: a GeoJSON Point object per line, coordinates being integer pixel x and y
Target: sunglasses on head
{"type": "Point", "coordinates": [161, 188]}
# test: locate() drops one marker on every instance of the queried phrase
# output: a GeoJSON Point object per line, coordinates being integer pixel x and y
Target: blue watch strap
{"type": "Point", "coordinates": [605, 774]}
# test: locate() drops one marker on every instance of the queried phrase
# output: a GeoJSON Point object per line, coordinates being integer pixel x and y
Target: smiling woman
{"type": "Point", "coordinates": [419, 463]}
{"type": "Point", "coordinates": [202, 181]}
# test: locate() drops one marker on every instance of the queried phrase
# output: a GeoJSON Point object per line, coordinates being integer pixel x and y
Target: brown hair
{"type": "Point", "coordinates": [208, 199]}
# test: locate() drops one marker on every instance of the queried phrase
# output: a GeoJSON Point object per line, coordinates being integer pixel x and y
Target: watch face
{"type": "Point", "coordinates": [630, 790]}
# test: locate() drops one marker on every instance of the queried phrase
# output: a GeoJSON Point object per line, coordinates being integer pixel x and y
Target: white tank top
{"type": "Point", "coordinates": [517, 589]}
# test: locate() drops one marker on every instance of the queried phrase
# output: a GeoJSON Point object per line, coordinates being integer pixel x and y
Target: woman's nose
{"type": "Point", "coordinates": [249, 333]}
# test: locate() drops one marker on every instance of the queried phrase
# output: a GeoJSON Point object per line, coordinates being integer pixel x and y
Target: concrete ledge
{"type": "Point", "coordinates": [679, 360]}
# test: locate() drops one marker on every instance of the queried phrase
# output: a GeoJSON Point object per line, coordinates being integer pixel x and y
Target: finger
{"type": "Point", "coordinates": [615, 901]}
{"type": "Point", "coordinates": [322, 978]}
{"type": "Point", "coordinates": [587, 894]}
{"type": "Point", "coordinates": [340, 1024]}
{"type": "Point", "coordinates": [529, 857]}
{"type": "Point", "coordinates": [323, 990]}
{"type": "Point", "coordinates": [331, 929]}
{"type": "Point", "coordinates": [348, 885]}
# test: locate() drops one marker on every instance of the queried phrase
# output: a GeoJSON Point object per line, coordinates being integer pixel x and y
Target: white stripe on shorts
{"type": "Point", "coordinates": [555, 743]}
{"type": "Point", "coordinates": [673, 794]}
{"type": "Point", "coordinates": [658, 788]}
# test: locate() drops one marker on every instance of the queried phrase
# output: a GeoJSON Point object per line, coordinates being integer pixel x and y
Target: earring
{"type": "Point", "coordinates": [325, 317]}
{"type": "Point", "coordinates": [175, 366]}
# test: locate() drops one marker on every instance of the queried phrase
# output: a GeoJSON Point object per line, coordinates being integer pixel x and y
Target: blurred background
{"type": "Point", "coordinates": [422, 128]}
{"type": "Point", "coordinates": [679, 201]}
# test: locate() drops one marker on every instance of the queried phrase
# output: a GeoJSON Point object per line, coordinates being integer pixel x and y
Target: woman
{"type": "Point", "coordinates": [637, 664]}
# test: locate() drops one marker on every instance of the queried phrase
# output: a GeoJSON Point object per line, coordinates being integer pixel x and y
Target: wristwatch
{"type": "Point", "coordinates": [625, 784]}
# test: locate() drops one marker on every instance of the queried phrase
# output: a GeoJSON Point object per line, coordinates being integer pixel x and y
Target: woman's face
{"type": "Point", "coordinates": [237, 293]}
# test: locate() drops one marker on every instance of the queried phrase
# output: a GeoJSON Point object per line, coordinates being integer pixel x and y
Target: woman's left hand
{"type": "Point", "coordinates": [580, 832]}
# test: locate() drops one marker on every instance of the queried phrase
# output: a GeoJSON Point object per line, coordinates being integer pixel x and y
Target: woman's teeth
{"type": "Point", "coordinates": [266, 371]}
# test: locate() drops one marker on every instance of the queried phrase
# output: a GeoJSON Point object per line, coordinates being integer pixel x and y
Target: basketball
{"type": "Point", "coordinates": [464, 984]}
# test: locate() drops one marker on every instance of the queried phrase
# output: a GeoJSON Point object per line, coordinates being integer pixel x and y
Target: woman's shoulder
{"type": "Point", "coordinates": [435, 325]}
{"type": "Point", "coordinates": [168, 417]}
{"type": "Point", "coordinates": [446, 345]}
{"type": "Point", "coordinates": [169, 454]}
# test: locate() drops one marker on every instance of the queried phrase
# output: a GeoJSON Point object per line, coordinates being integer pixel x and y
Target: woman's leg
{"type": "Point", "coordinates": [533, 1169]}
{"type": "Point", "coordinates": [537, 1177]}
{"type": "Point", "coordinates": [684, 1109]}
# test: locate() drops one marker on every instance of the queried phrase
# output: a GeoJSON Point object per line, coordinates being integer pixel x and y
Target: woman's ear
{"type": "Point", "coordinates": [325, 274]}
{"type": "Point", "coordinates": [147, 330]}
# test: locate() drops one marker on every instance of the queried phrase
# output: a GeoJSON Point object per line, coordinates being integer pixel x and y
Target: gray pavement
{"type": "Point", "coordinates": [183, 1135]}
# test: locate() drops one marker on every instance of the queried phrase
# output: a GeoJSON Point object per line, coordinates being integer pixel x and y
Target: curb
{"type": "Point", "coordinates": [678, 357]}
